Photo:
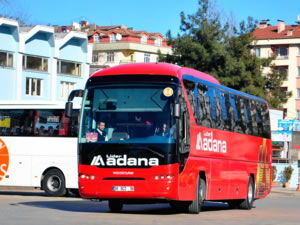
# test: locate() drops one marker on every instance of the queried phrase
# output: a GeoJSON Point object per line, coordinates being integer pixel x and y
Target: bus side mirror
{"type": "Point", "coordinates": [69, 103]}
{"type": "Point", "coordinates": [177, 111]}
{"type": "Point", "coordinates": [68, 109]}
{"type": "Point", "coordinates": [75, 93]}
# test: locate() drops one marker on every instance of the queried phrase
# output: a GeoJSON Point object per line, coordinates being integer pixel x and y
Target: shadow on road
{"type": "Point", "coordinates": [75, 204]}
{"type": "Point", "coordinates": [86, 206]}
{"type": "Point", "coordinates": [24, 193]}
{"type": "Point", "coordinates": [32, 193]}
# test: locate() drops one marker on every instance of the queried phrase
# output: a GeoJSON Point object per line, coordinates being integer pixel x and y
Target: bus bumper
{"type": "Point", "coordinates": [160, 182]}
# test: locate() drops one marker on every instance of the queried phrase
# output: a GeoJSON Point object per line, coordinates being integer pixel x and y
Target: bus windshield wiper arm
{"type": "Point", "coordinates": [151, 150]}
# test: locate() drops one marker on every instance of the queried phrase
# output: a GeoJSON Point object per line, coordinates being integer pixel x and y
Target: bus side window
{"type": "Point", "coordinates": [239, 125]}
{"type": "Point", "coordinates": [211, 95]}
{"type": "Point", "coordinates": [235, 121]}
{"type": "Point", "coordinates": [222, 99]}
{"type": "Point", "coordinates": [220, 111]}
{"type": "Point", "coordinates": [203, 110]}
{"type": "Point", "coordinates": [266, 121]}
{"type": "Point", "coordinates": [259, 120]}
{"type": "Point", "coordinates": [248, 110]}
{"type": "Point", "coordinates": [252, 107]}
{"type": "Point", "coordinates": [4, 122]}
{"type": "Point", "coordinates": [229, 123]}
{"type": "Point", "coordinates": [12, 122]}
{"type": "Point", "coordinates": [190, 91]}
{"type": "Point", "coordinates": [243, 115]}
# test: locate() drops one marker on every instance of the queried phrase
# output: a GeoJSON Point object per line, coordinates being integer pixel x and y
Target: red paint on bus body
{"type": "Point", "coordinates": [227, 170]}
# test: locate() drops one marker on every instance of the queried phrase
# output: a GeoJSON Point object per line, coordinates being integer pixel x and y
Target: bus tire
{"type": "Point", "coordinates": [248, 202]}
{"type": "Point", "coordinates": [115, 205]}
{"type": "Point", "coordinates": [195, 206]}
{"type": "Point", "coordinates": [54, 183]}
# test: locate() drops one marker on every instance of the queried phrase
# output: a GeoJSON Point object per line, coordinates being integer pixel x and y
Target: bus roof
{"type": "Point", "coordinates": [154, 69]}
{"type": "Point", "coordinates": [34, 105]}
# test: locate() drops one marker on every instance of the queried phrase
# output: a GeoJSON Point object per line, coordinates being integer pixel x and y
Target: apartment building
{"type": "Point", "coordinates": [119, 44]}
{"type": "Point", "coordinates": [39, 65]}
{"type": "Point", "coordinates": [283, 41]}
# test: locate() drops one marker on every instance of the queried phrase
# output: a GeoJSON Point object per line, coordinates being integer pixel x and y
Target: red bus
{"type": "Point", "coordinates": [171, 134]}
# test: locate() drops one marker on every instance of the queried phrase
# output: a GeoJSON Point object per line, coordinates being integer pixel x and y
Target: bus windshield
{"type": "Point", "coordinates": [128, 113]}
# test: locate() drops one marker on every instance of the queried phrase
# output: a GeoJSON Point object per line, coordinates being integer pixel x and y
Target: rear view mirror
{"type": "Point", "coordinates": [177, 111]}
{"type": "Point", "coordinates": [75, 93]}
{"type": "Point", "coordinates": [68, 109]}
{"type": "Point", "coordinates": [69, 103]}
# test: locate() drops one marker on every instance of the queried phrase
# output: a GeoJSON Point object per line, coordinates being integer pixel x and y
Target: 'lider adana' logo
{"type": "Point", "coordinates": [119, 160]}
{"type": "Point", "coordinates": [208, 143]}
{"type": "Point", "coordinates": [4, 159]}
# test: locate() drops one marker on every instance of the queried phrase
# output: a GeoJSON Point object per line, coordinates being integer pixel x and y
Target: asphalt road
{"type": "Point", "coordinates": [34, 207]}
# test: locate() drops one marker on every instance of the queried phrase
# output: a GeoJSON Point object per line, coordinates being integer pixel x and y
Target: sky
{"type": "Point", "coordinates": [151, 16]}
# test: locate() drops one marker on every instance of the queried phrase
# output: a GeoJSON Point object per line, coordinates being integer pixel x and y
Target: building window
{"type": "Point", "coordinates": [110, 57]}
{"type": "Point", "coordinates": [299, 50]}
{"type": "Point", "coordinates": [34, 87]}
{"type": "Point", "coordinates": [256, 51]}
{"type": "Point", "coordinates": [95, 58]}
{"type": "Point", "coordinates": [158, 42]}
{"type": "Point", "coordinates": [281, 52]}
{"type": "Point", "coordinates": [35, 63]}
{"type": "Point", "coordinates": [69, 68]}
{"type": "Point", "coordinates": [6, 59]}
{"type": "Point", "coordinates": [66, 88]}
{"type": "Point", "coordinates": [298, 93]}
{"type": "Point", "coordinates": [113, 38]}
{"type": "Point", "coordinates": [298, 71]}
{"type": "Point", "coordinates": [96, 38]}
{"type": "Point", "coordinates": [146, 57]}
{"type": "Point", "coordinates": [282, 71]}
{"type": "Point", "coordinates": [144, 39]}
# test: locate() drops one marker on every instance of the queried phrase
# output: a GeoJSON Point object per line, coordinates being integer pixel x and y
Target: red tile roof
{"type": "Point", "coordinates": [271, 32]}
{"type": "Point", "coordinates": [126, 32]}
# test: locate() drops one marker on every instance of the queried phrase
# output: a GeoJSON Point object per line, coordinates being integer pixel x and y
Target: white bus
{"type": "Point", "coordinates": [38, 147]}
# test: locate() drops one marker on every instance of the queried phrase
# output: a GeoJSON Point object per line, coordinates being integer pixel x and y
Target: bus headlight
{"type": "Point", "coordinates": [164, 177]}
{"type": "Point", "coordinates": [87, 176]}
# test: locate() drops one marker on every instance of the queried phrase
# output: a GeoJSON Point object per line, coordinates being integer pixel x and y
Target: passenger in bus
{"type": "Point", "coordinates": [42, 131]}
{"type": "Point", "coordinates": [163, 131]}
{"type": "Point", "coordinates": [51, 131]}
{"type": "Point", "coordinates": [102, 135]}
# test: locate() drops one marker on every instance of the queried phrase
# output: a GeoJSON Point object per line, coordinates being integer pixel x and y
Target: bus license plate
{"type": "Point", "coordinates": [123, 188]}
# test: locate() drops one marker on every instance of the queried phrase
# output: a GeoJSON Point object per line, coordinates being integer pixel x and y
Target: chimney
{"type": "Point", "coordinates": [84, 23]}
{"type": "Point", "coordinates": [280, 26]}
{"type": "Point", "coordinates": [263, 24]}
{"type": "Point", "coordinates": [290, 32]}
{"type": "Point", "coordinates": [298, 21]}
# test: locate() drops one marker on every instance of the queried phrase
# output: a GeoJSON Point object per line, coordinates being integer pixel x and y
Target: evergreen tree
{"type": "Point", "coordinates": [224, 51]}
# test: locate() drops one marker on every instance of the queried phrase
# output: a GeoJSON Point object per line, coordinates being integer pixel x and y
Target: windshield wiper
{"type": "Point", "coordinates": [151, 150]}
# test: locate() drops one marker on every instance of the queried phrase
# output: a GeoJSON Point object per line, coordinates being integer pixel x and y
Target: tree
{"type": "Point", "coordinates": [8, 10]}
{"type": "Point", "coordinates": [224, 51]}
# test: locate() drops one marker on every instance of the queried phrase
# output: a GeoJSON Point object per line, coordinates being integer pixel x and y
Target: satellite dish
{"type": "Point", "coordinates": [118, 37]}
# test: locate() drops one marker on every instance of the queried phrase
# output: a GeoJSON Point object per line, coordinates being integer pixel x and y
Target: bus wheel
{"type": "Point", "coordinates": [115, 205]}
{"type": "Point", "coordinates": [54, 183]}
{"type": "Point", "coordinates": [248, 202]}
{"type": "Point", "coordinates": [195, 205]}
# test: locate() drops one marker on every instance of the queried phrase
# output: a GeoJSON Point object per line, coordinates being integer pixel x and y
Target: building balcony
{"type": "Point", "coordinates": [124, 61]}
{"type": "Point", "coordinates": [281, 61]}
{"type": "Point", "coordinates": [119, 46]}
